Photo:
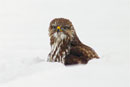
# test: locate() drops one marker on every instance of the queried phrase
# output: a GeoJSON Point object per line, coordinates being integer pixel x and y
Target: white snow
{"type": "Point", "coordinates": [24, 43]}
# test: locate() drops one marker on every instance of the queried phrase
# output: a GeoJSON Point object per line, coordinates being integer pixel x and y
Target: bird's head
{"type": "Point", "coordinates": [60, 27]}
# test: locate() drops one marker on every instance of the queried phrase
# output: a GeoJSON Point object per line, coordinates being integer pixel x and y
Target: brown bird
{"type": "Point", "coordinates": [65, 44]}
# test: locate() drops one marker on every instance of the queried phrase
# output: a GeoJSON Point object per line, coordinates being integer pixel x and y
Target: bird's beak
{"type": "Point", "coordinates": [59, 29]}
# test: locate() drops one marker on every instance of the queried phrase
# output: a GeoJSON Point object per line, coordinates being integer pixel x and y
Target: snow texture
{"type": "Point", "coordinates": [24, 43]}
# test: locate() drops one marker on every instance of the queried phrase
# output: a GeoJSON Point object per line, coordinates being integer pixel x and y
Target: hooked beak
{"type": "Point", "coordinates": [59, 29]}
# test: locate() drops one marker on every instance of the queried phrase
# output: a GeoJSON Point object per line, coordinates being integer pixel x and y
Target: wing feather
{"type": "Point", "coordinates": [84, 51]}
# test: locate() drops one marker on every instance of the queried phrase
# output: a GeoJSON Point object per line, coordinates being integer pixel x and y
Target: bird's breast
{"type": "Point", "coordinates": [59, 48]}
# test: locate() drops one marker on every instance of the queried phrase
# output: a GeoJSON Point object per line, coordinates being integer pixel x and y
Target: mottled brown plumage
{"type": "Point", "coordinates": [66, 46]}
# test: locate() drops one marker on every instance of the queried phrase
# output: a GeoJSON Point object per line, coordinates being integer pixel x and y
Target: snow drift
{"type": "Point", "coordinates": [24, 43]}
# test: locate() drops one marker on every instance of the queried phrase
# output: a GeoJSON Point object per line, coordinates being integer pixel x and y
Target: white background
{"type": "Point", "coordinates": [24, 43]}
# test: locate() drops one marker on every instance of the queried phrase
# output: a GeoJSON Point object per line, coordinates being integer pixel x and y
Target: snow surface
{"type": "Point", "coordinates": [24, 43]}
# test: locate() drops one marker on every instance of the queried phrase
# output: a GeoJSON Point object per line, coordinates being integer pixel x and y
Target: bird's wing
{"type": "Point", "coordinates": [84, 51]}
{"type": "Point", "coordinates": [80, 55]}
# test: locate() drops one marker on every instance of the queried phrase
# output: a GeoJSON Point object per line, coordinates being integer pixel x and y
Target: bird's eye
{"type": "Point", "coordinates": [53, 27]}
{"type": "Point", "coordinates": [66, 27]}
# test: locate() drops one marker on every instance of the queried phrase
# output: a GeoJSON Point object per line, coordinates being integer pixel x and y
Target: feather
{"type": "Point", "coordinates": [66, 46]}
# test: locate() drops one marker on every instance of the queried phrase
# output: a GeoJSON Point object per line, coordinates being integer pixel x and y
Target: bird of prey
{"type": "Point", "coordinates": [65, 44]}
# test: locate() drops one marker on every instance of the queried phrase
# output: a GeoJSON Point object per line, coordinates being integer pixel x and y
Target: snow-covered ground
{"type": "Point", "coordinates": [24, 43]}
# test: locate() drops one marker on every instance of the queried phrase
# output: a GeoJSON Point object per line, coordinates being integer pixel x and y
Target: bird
{"type": "Point", "coordinates": [65, 45]}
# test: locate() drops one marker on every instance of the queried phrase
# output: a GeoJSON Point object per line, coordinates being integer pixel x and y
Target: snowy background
{"type": "Point", "coordinates": [24, 43]}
